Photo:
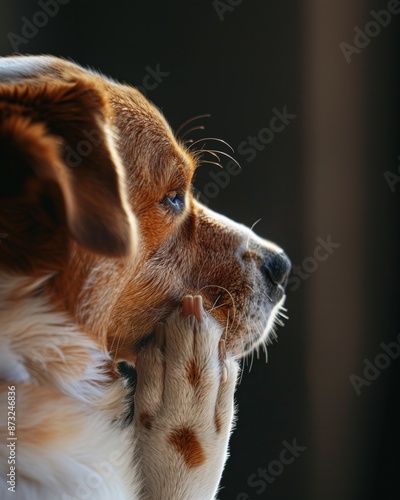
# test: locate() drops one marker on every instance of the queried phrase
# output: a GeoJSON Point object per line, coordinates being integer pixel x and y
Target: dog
{"type": "Point", "coordinates": [106, 256]}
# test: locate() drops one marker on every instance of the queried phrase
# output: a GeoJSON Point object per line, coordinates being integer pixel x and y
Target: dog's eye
{"type": "Point", "coordinates": [175, 201]}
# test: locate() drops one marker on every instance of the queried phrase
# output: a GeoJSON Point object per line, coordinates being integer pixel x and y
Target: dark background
{"type": "Point", "coordinates": [324, 174]}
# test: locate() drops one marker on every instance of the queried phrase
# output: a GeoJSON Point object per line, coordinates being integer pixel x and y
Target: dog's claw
{"type": "Point", "coordinates": [187, 306]}
{"type": "Point", "coordinates": [198, 307]}
{"type": "Point", "coordinates": [193, 306]}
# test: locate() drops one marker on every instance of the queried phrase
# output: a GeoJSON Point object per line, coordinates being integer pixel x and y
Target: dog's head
{"type": "Point", "coordinates": [80, 155]}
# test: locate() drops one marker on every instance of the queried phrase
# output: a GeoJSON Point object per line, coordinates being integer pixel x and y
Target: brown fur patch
{"type": "Point", "coordinates": [185, 442]}
{"type": "Point", "coordinates": [193, 373]}
{"type": "Point", "coordinates": [145, 419]}
{"type": "Point", "coordinates": [42, 136]}
{"type": "Point", "coordinates": [69, 219]}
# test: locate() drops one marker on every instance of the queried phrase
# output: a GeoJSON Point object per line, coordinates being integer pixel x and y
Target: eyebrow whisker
{"type": "Point", "coordinates": [193, 129]}
{"type": "Point", "coordinates": [212, 152]}
{"type": "Point", "coordinates": [211, 163]}
{"type": "Point", "coordinates": [213, 139]}
{"type": "Point", "coordinates": [197, 117]}
{"type": "Point", "coordinates": [225, 154]}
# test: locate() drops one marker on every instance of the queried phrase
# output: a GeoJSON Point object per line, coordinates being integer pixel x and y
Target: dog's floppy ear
{"type": "Point", "coordinates": [59, 166]}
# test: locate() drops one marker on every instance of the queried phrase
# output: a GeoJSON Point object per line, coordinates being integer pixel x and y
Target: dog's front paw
{"type": "Point", "coordinates": [184, 406]}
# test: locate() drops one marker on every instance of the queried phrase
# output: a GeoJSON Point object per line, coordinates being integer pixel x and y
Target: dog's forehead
{"type": "Point", "coordinates": [144, 134]}
{"type": "Point", "coordinates": [136, 116]}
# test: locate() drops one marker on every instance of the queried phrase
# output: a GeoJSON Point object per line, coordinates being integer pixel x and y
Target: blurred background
{"type": "Point", "coordinates": [307, 94]}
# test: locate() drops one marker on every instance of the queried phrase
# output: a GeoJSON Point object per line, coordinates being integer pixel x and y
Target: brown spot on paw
{"type": "Point", "coordinates": [193, 373]}
{"type": "Point", "coordinates": [185, 442]}
{"type": "Point", "coordinates": [145, 419]}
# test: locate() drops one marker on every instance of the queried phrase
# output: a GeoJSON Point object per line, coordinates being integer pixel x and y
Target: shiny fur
{"type": "Point", "coordinates": [93, 259]}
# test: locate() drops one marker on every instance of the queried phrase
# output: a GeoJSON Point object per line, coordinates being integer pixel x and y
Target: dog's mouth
{"type": "Point", "coordinates": [250, 312]}
{"type": "Point", "coordinates": [264, 331]}
{"type": "Point", "coordinates": [254, 324]}
{"type": "Point", "coordinates": [247, 322]}
{"type": "Point", "coordinates": [240, 277]}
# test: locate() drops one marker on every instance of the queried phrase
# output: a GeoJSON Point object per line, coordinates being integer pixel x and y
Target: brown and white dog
{"type": "Point", "coordinates": [106, 256]}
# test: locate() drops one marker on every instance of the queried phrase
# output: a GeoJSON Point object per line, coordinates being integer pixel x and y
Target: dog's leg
{"type": "Point", "coordinates": [184, 407]}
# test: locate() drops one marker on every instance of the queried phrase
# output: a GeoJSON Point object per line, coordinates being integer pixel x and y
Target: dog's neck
{"type": "Point", "coordinates": [40, 345]}
{"type": "Point", "coordinates": [88, 289]}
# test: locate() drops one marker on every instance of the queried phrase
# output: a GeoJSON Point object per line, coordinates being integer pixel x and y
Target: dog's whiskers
{"type": "Point", "coordinates": [251, 361]}
{"type": "Point", "coordinates": [198, 155]}
{"type": "Point", "coordinates": [217, 307]}
{"type": "Point", "coordinates": [211, 163]}
{"type": "Point", "coordinates": [190, 120]}
{"type": "Point", "coordinates": [193, 129]}
{"type": "Point", "coordinates": [212, 139]}
{"type": "Point", "coordinates": [214, 306]}
{"type": "Point", "coordinates": [265, 347]}
{"type": "Point", "coordinates": [228, 292]}
{"type": "Point", "coordinates": [224, 154]}
{"type": "Point", "coordinates": [252, 227]}
{"type": "Point", "coordinates": [216, 300]}
{"type": "Point", "coordinates": [282, 315]}
{"type": "Point", "coordinates": [211, 152]}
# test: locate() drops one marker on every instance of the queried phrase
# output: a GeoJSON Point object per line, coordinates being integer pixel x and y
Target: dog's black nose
{"type": "Point", "coordinates": [277, 268]}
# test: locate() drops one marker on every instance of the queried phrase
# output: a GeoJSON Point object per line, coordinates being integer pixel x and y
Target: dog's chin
{"type": "Point", "coordinates": [255, 328]}
{"type": "Point", "coordinates": [258, 329]}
